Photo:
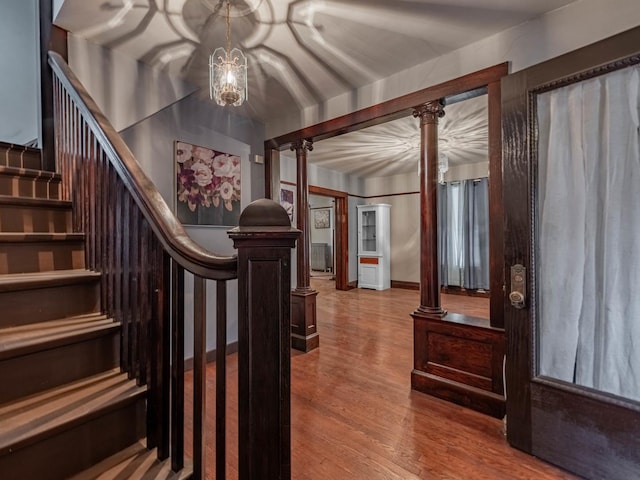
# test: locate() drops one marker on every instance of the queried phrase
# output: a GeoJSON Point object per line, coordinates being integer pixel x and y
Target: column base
{"type": "Point", "coordinates": [436, 313]}
{"type": "Point", "coordinates": [304, 334]}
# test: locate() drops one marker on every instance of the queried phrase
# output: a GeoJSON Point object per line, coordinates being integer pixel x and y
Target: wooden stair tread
{"type": "Point", "coordinates": [25, 339]}
{"type": "Point", "coordinates": [34, 202]}
{"type": "Point", "coordinates": [29, 172]}
{"type": "Point", "coordinates": [32, 237]}
{"type": "Point", "coordinates": [39, 416]}
{"type": "Point", "coordinates": [135, 462]}
{"type": "Point", "coordinates": [26, 281]}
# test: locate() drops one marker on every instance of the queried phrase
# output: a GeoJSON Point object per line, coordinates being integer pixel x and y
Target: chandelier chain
{"type": "Point", "coordinates": [228, 27]}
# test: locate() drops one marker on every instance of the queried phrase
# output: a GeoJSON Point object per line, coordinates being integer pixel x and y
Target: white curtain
{"type": "Point", "coordinates": [588, 247]}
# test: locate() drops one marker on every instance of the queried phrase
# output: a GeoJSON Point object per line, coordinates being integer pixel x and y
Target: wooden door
{"type": "Point", "coordinates": [557, 408]}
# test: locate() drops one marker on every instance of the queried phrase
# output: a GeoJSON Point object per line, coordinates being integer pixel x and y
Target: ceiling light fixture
{"type": "Point", "coordinates": [228, 72]}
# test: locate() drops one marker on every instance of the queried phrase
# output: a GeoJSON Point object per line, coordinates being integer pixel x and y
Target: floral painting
{"type": "Point", "coordinates": [208, 185]}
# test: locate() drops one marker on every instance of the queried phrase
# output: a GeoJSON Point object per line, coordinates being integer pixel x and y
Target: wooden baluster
{"type": "Point", "coordinates": [125, 276]}
{"type": "Point", "coordinates": [111, 248]}
{"type": "Point", "coordinates": [134, 298]}
{"type": "Point", "coordinates": [264, 341]}
{"type": "Point", "coordinates": [145, 307]}
{"type": "Point", "coordinates": [91, 242]}
{"type": "Point", "coordinates": [101, 192]}
{"type": "Point", "coordinates": [177, 368]}
{"type": "Point", "coordinates": [155, 350]}
{"type": "Point", "coordinates": [199, 367]}
{"type": "Point", "coordinates": [221, 377]}
{"type": "Point", "coordinates": [165, 356]}
{"type": "Point", "coordinates": [118, 231]}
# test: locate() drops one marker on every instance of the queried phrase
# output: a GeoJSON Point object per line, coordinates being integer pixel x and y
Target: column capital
{"type": "Point", "coordinates": [429, 112]}
{"type": "Point", "coordinates": [302, 144]}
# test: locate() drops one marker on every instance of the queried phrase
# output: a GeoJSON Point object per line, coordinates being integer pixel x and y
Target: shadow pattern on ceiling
{"type": "Point", "coordinates": [300, 52]}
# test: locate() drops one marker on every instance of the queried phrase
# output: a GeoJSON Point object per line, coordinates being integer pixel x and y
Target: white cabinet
{"type": "Point", "coordinates": [374, 246]}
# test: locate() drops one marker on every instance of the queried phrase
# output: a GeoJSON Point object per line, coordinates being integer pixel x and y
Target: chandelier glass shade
{"type": "Point", "coordinates": [228, 72]}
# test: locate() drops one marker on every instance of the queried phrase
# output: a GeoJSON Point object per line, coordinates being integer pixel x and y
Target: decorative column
{"type": "Point", "coordinates": [304, 335]}
{"type": "Point", "coordinates": [429, 113]}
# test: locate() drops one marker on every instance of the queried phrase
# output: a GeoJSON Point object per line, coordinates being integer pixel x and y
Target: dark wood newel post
{"type": "Point", "coordinates": [304, 334]}
{"type": "Point", "coordinates": [429, 113]}
{"type": "Point", "coordinates": [264, 239]}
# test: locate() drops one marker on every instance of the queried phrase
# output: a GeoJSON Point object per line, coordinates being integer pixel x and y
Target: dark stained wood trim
{"type": "Point", "coordinates": [268, 172]}
{"type": "Point", "coordinates": [405, 285]}
{"type": "Point", "coordinates": [327, 192]}
{"type": "Point", "coordinates": [341, 233]}
{"type": "Point", "coordinates": [496, 207]}
{"type": "Point", "coordinates": [342, 243]}
{"type": "Point", "coordinates": [339, 193]}
{"type": "Point", "coordinates": [353, 284]}
{"type": "Point", "coordinates": [392, 109]}
{"type": "Point", "coordinates": [46, 87]}
{"type": "Point", "coordinates": [459, 358]}
{"type": "Point", "coordinates": [165, 225]}
{"type": "Point", "coordinates": [577, 415]}
{"type": "Point", "coordinates": [429, 113]}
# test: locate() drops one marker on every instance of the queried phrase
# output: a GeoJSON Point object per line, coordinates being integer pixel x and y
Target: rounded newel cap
{"type": "Point", "coordinates": [264, 213]}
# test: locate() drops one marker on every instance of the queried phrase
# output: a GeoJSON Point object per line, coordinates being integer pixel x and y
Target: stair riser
{"type": "Point", "coordinates": [69, 452]}
{"type": "Point", "coordinates": [20, 186]}
{"type": "Point", "coordinates": [16, 218]}
{"type": "Point", "coordinates": [41, 257]}
{"type": "Point", "coordinates": [20, 158]}
{"type": "Point", "coordinates": [39, 371]}
{"type": "Point", "coordinates": [40, 305]}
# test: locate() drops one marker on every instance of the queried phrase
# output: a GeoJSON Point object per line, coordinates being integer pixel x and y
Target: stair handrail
{"type": "Point", "coordinates": [164, 223]}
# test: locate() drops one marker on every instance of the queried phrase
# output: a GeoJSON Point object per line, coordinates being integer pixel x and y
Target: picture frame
{"type": "Point", "coordinates": [208, 185]}
{"type": "Point", "coordinates": [322, 218]}
{"type": "Point", "coordinates": [287, 200]}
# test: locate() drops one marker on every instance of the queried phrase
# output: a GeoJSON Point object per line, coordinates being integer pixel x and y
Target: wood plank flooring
{"type": "Point", "coordinates": [353, 413]}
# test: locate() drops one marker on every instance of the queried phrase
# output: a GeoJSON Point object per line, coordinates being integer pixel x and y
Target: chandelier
{"type": "Point", "coordinates": [228, 72]}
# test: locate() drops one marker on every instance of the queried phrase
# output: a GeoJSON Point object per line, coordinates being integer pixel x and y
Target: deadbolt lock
{"type": "Point", "coordinates": [517, 297]}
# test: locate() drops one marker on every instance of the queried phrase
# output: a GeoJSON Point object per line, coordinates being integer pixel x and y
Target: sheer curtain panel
{"type": "Point", "coordinates": [588, 233]}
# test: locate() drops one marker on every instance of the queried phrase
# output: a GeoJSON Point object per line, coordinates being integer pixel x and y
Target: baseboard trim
{"type": "Point", "coordinates": [474, 398]}
{"type": "Point", "coordinates": [452, 290]}
{"type": "Point", "coordinates": [353, 284]}
{"type": "Point", "coordinates": [405, 285]}
{"type": "Point", "coordinates": [211, 355]}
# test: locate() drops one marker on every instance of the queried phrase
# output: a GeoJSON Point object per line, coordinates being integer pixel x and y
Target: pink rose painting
{"type": "Point", "coordinates": [208, 185]}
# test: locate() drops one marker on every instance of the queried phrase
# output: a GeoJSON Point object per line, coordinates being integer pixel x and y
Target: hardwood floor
{"type": "Point", "coordinates": [354, 415]}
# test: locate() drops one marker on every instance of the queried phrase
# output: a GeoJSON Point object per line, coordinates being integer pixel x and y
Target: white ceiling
{"type": "Point", "coordinates": [302, 52]}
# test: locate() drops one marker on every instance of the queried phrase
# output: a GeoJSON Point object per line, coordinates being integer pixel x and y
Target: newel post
{"type": "Point", "coordinates": [264, 239]}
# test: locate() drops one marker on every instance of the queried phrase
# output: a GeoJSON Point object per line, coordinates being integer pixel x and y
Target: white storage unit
{"type": "Point", "coordinates": [374, 246]}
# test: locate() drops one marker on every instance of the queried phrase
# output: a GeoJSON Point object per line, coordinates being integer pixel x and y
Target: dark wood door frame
{"type": "Point", "coordinates": [404, 106]}
{"type": "Point", "coordinates": [591, 433]}
{"type": "Point", "coordinates": [341, 243]}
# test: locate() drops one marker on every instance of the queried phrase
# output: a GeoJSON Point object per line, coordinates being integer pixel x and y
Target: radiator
{"type": "Point", "coordinates": [320, 257]}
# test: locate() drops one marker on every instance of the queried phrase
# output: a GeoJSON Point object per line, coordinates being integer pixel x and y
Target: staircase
{"type": "Point", "coordinates": [65, 407]}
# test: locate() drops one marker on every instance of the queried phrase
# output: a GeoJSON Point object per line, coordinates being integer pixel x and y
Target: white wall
{"type": "Point", "coordinates": [126, 90]}
{"type": "Point", "coordinates": [20, 76]}
{"type": "Point", "coordinates": [558, 32]}
{"type": "Point", "coordinates": [205, 124]}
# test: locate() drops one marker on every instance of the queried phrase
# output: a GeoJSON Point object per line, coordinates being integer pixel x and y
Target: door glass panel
{"type": "Point", "coordinates": [588, 233]}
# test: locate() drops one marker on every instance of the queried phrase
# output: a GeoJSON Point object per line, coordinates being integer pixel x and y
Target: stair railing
{"type": "Point", "coordinates": [135, 241]}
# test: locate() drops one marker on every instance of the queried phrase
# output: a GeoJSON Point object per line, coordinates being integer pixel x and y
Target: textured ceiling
{"type": "Point", "coordinates": [300, 52]}
{"type": "Point", "coordinates": [303, 52]}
